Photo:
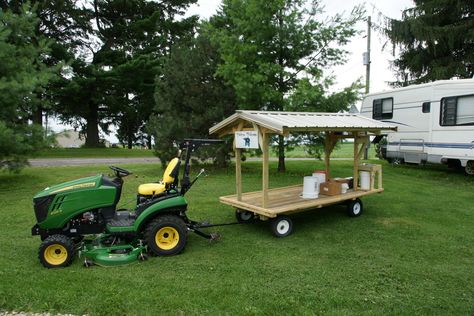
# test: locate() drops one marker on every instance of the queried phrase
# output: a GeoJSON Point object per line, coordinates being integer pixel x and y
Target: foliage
{"type": "Point", "coordinates": [379, 148]}
{"type": "Point", "coordinates": [23, 76]}
{"type": "Point", "coordinates": [315, 98]}
{"type": "Point", "coordinates": [112, 81]}
{"type": "Point", "coordinates": [268, 46]}
{"type": "Point", "coordinates": [190, 99]}
{"type": "Point", "coordinates": [435, 39]}
{"type": "Point", "coordinates": [403, 256]}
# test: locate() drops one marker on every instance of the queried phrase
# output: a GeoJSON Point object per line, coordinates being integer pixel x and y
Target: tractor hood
{"type": "Point", "coordinates": [83, 183]}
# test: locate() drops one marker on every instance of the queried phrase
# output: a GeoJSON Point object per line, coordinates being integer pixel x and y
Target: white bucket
{"type": "Point", "coordinates": [310, 188]}
{"type": "Point", "coordinates": [320, 176]}
{"type": "Point", "coordinates": [364, 180]}
{"type": "Point", "coordinates": [344, 187]}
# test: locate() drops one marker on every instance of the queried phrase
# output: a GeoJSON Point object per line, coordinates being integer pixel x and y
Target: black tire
{"type": "Point", "coordinates": [56, 251]}
{"type": "Point", "coordinates": [281, 226]}
{"type": "Point", "coordinates": [396, 161]}
{"type": "Point", "coordinates": [469, 169]}
{"type": "Point", "coordinates": [244, 216]}
{"type": "Point", "coordinates": [355, 208]}
{"type": "Point", "coordinates": [166, 235]}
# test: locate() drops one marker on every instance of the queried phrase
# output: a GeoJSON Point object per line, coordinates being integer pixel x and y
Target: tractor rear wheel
{"type": "Point", "coordinates": [56, 251]}
{"type": "Point", "coordinates": [166, 235]}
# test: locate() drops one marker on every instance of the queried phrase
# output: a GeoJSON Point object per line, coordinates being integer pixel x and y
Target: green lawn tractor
{"type": "Point", "coordinates": [82, 216]}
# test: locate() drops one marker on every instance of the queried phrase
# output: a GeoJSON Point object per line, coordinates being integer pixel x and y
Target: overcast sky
{"type": "Point", "coordinates": [346, 74]}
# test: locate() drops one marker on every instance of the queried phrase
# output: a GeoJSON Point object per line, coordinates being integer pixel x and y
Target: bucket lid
{"type": "Point", "coordinates": [319, 171]}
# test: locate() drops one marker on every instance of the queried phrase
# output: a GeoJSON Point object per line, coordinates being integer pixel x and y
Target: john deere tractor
{"type": "Point", "coordinates": [81, 216]}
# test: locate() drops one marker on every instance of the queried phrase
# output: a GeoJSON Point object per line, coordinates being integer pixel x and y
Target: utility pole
{"type": "Point", "coordinates": [367, 62]}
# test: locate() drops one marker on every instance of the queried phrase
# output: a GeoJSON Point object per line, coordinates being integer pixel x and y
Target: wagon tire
{"type": "Point", "coordinates": [355, 208]}
{"type": "Point", "coordinates": [281, 226]}
{"type": "Point", "coordinates": [244, 216]}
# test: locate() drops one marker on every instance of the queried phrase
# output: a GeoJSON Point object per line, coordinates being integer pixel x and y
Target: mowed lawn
{"type": "Point", "coordinates": [411, 252]}
{"type": "Point", "coordinates": [343, 150]}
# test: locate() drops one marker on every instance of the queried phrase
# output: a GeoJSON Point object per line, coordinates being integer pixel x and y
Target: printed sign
{"type": "Point", "coordinates": [246, 139]}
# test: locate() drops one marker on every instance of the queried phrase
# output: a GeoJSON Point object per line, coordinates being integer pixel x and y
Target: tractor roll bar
{"type": "Point", "coordinates": [190, 145]}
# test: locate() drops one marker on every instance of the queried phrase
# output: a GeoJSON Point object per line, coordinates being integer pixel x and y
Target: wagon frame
{"type": "Point", "coordinates": [276, 203]}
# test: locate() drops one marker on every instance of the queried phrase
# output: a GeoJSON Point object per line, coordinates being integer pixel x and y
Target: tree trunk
{"type": "Point", "coordinates": [148, 140]}
{"type": "Point", "coordinates": [281, 154]}
{"type": "Point", "coordinates": [129, 141]}
{"type": "Point", "coordinates": [38, 116]}
{"type": "Point", "coordinates": [92, 129]}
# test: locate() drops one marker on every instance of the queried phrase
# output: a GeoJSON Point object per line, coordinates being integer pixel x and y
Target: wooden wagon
{"type": "Point", "coordinates": [275, 204]}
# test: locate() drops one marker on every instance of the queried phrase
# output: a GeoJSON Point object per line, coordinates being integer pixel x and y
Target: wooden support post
{"type": "Point", "coordinates": [238, 173]}
{"type": "Point", "coordinates": [327, 155]}
{"type": "Point", "coordinates": [356, 161]}
{"type": "Point", "coordinates": [380, 179]}
{"type": "Point", "coordinates": [238, 166]}
{"type": "Point", "coordinates": [265, 169]}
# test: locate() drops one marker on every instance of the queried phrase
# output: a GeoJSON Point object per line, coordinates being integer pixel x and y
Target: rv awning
{"type": "Point", "coordinates": [287, 122]}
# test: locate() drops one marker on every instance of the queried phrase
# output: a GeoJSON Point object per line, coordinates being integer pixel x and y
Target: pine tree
{"type": "Point", "coordinates": [23, 77]}
{"type": "Point", "coordinates": [190, 98]}
{"type": "Point", "coordinates": [436, 41]}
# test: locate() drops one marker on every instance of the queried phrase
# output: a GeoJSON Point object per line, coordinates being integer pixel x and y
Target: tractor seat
{"type": "Point", "coordinates": [169, 176]}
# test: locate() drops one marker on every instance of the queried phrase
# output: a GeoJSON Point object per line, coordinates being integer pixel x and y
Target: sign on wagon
{"type": "Point", "coordinates": [246, 139]}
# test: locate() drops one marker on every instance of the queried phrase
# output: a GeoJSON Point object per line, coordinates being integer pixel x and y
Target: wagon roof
{"type": "Point", "coordinates": [287, 122]}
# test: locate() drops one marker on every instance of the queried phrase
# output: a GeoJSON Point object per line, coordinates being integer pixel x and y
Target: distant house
{"type": "Point", "coordinates": [69, 139]}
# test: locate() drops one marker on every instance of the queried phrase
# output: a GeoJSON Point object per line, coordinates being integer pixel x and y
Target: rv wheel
{"type": "Point", "coordinates": [469, 167]}
{"type": "Point", "coordinates": [396, 161]}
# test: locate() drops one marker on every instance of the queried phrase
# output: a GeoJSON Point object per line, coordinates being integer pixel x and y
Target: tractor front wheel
{"type": "Point", "coordinates": [166, 235]}
{"type": "Point", "coordinates": [56, 251]}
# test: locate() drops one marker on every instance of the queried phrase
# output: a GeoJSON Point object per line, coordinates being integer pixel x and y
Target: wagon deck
{"type": "Point", "coordinates": [287, 200]}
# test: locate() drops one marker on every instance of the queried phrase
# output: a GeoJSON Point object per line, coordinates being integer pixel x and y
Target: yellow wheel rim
{"type": "Point", "coordinates": [167, 238]}
{"type": "Point", "coordinates": [55, 254]}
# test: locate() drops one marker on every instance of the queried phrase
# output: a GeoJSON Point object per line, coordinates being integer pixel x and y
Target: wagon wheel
{"type": "Point", "coordinates": [244, 216]}
{"type": "Point", "coordinates": [355, 208]}
{"type": "Point", "coordinates": [281, 226]}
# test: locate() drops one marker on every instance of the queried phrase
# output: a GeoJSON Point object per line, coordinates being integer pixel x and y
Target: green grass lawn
{"type": "Point", "coordinates": [345, 150]}
{"type": "Point", "coordinates": [411, 252]}
{"type": "Point", "coordinates": [93, 153]}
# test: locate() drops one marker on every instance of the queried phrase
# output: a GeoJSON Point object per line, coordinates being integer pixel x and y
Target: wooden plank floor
{"type": "Point", "coordinates": [287, 200]}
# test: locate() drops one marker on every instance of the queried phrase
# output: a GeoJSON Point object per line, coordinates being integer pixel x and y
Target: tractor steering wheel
{"type": "Point", "coordinates": [119, 172]}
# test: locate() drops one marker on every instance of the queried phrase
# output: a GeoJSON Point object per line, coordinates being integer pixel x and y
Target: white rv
{"type": "Point", "coordinates": [435, 122]}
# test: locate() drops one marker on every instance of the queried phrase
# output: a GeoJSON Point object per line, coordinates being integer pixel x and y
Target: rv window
{"type": "Point", "coordinates": [457, 111]}
{"type": "Point", "coordinates": [382, 109]}
{"type": "Point", "coordinates": [426, 107]}
{"type": "Point", "coordinates": [465, 110]}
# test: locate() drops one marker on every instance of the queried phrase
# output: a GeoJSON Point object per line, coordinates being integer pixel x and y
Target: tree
{"type": "Point", "coordinates": [114, 64]}
{"type": "Point", "coordinates": [313, 97]}
{"type": "Point", "coordinates": [268, 46]}
{"type": "Point", "coordinates": [190, 98]}
{"type": "Point", "coordinates": [435, 39]}
{"type": "Point", "coordinates": [23, 76]}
